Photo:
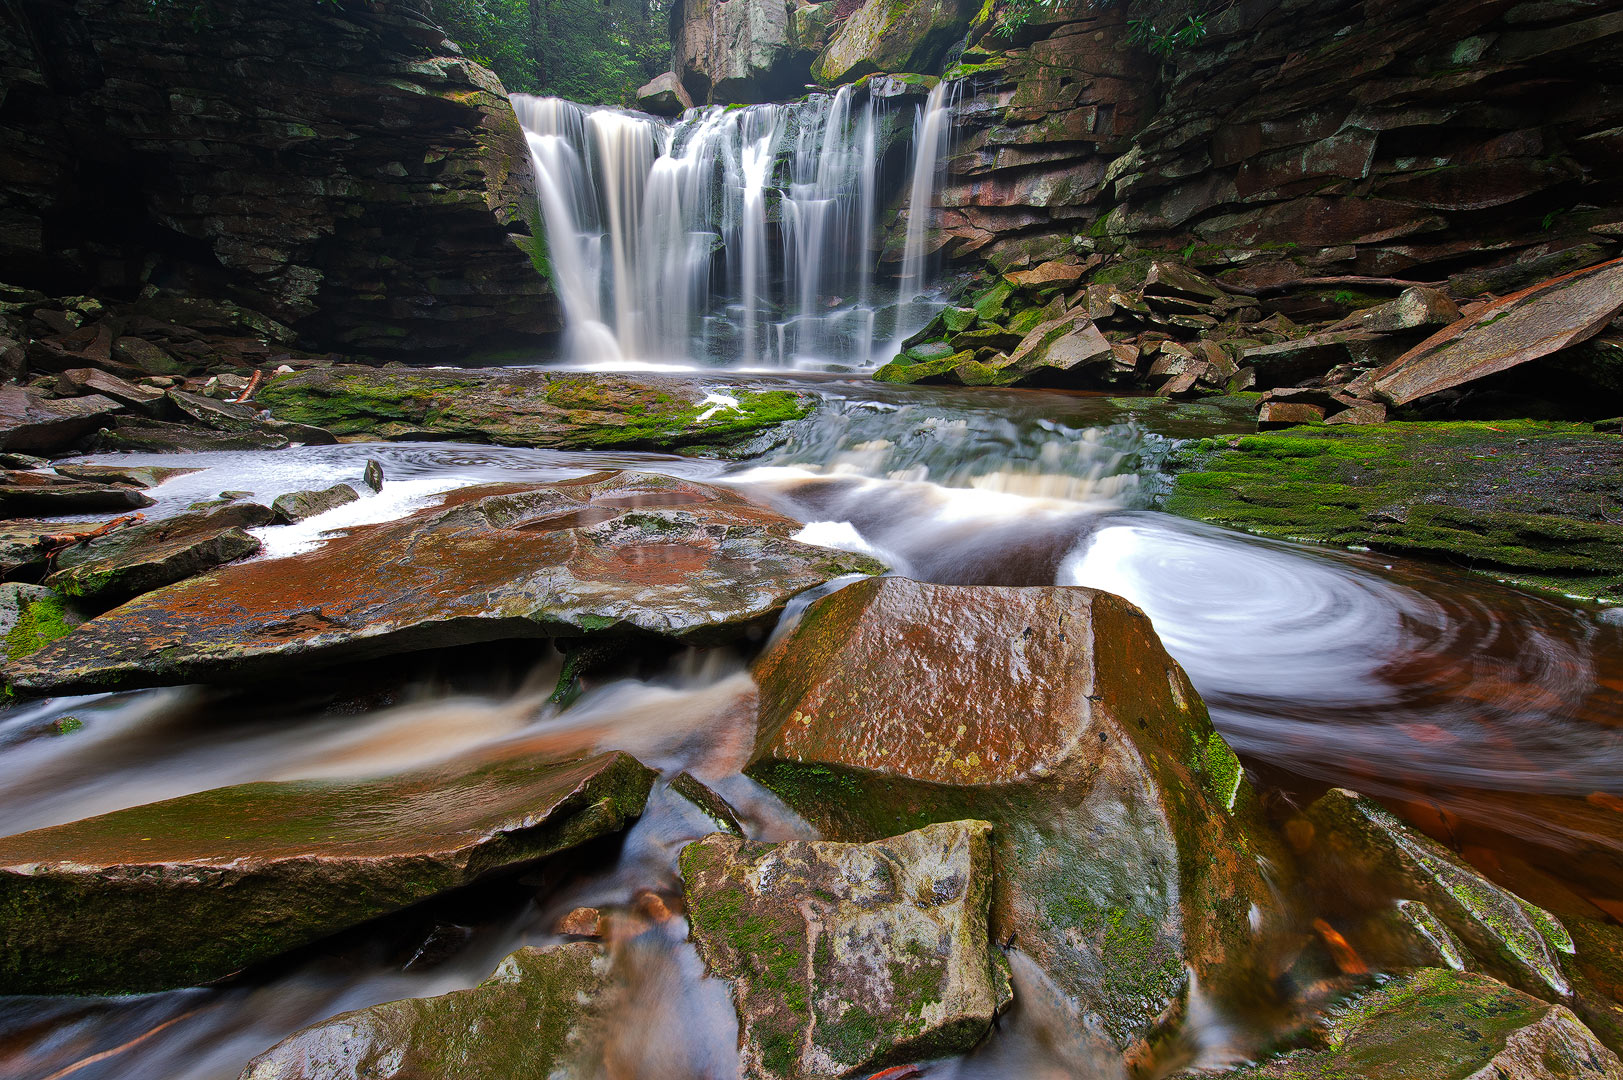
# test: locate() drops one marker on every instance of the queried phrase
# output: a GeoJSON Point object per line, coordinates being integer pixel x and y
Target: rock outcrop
{"type": "Point", "coordinates": [737, 51]}
{"type": "Point", "coordinates": [1121, 820]}
{"type": "Point", "coordinates": [609, 553]}
{"type": "Point", "coordinates": [191, 889]}
{"type": "Point", "coordinates": [846, 958]}
{"type": "Point", "coordinates": [325, 167]}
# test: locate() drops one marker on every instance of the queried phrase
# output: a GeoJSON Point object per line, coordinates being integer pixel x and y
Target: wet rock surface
{"type": "Point", "coordinates": [1526, 500]}
{"type": "Point", "coordinates": [1121, 820]}
{"type": "Point", "coordinates": [618, 553]}
{"type": "Point", "coordinates": [1441, 1025]}
{"type": "Point", "coordinates": [536, 1018]}
{"type": "Point", "coordinates": [850, 957]}
{"type": "Point", "coordinates": [191, 889]}
{"type": "Point", "coordinates": [295, 506]}
{"type": "Point", "coordinates": [533, 408]}
{"type": "Point", "coordinates": [111, 569]}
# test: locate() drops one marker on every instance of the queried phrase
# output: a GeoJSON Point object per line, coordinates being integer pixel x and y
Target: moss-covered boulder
{"type": "Point", "coordinates": [1529, 501]}
{"type": "Point", "coordinates": [569, 411]}
{"type": "Point", "coordinates": [846, 958]}
{"type": "Point", "coordinates": [538, 1017]}
{"type": "Point", "coordinates": [1435, 1024]}
{"type": "Point", "coordinates": [125, 563]}
{"type": "Point", "coordinates": [191, 889]}
{"type": "Point", "coordinates": [31, 617]}
{"type": "Point", "coordinates": [1124, 831]}
{"type": "Point", "coordinates": [894, 35]}
{"type": "Point", "coordinates": [1501, 933]}
{"type": "Point", "coordinates": [609, 553]}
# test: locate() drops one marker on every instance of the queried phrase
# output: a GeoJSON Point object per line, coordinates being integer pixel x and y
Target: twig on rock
{"type": "Point", "coordinates": [56, 543]}
{"type": "Point", "coordinates": [248, 391]}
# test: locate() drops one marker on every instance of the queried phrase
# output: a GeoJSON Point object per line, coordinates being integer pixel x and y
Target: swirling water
{"type": "Point", "coordinates": [1488, 715]}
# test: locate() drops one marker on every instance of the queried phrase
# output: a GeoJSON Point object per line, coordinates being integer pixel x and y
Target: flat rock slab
{"type": "Point", "coordinates": [46, 493]}
{"type": "Point", "coordinates": [1535, 500]}
{"type": "Point", "coordinates": [128, 562]}
{"type": "Point", "coordinates": [29, 421]}
{"type": "Point", "coordinates": [531, 408]}
{"type": "Point", "coordinates": [1124, 833]}
{"type": "Point", "coordinates": [1521, 327]}
{"type": "Point", "coordinates": [611, 552]}
{"type": "Point", "coordinates": [846, 958]}
{"type": "Point", "coordinates": [141, 476]}
{"type": "Point", "coordinates": [1435, 1024]}
{"type": "Point", "coordinates": [179, 892]}
{"type": "Point", "coordinates": [538, 1017]}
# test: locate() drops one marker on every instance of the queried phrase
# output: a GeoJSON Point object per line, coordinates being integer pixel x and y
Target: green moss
{"type": "Point", "coordinates": [1218, 767]}
{"type": "Point", "coordinates": [39, 622]}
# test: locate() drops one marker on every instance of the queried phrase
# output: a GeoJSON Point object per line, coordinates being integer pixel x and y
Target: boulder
{"type": "Point", "coordinates": [894, 35]}
{"type": "Point", "coordinates": [1416, 307]}
{"type": "Point", "coordinates": [31, 617]}
{"type": "Point", "coordinates": [664, 95]}
{"type": "Point", "coordinates": [297, 505]}
{"type": "Point", "coordinates": [532, 408]}
{"type": "Point", "coordinates": [142, 399]}
{"type": "Point", "coordinates": [846, 958]}
{"type": "Point", "coordinates": [727, 52]}
{"type": "Point", "coordinates": [1521, 327]}
{"type": "Point", "coordinates": [606, 553]}
{"type": "Point", "coordinates": [186, 890]}
{"type": "Point", "coordinates": [1436, 1024]}
{"type": "Point", "coordinates": [1514, 940]}
{"type": "Point", "coordinates": [29, 421]}
{"type": "Point", "coordinates": [111, 569]}
{"type": "Point", "coordinates": [537, 1018]}
{"type": "Point", "coordinates": [1123, 827]}
{"type": "Point", "coordinates": [1061, 344]}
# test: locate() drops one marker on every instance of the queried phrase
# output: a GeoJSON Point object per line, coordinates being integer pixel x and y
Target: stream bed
{"type": "Point", "coordinates": [1488, 716]}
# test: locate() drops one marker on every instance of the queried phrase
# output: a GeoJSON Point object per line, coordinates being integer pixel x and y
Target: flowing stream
{"type": "Point", "coordinates": [1478, 710]}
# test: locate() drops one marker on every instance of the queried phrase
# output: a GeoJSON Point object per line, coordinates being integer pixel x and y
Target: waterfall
{"type": "Point", "coordinates": [737, 236]}
{"type": "Point", "coordinates": [928, 137]}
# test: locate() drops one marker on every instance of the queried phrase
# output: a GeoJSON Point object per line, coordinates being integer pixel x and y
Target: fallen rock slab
{"type": "Point", "coordinates": [606, 553]}
{"type": "Point", "coordinates": [1444, 1025]}
{"type": "Point", "coordinates": [140, 476]}
{"type": "Point", "coordinates": [158, 437]}
{"type": "Point", "coordinates": [538, 1017]}
{"type": "Point", "coordinates": [179, 892]}
{"type": "Point", "coordinates": [1124, 835]}
{"type": "Point", "coordinates": [1521, 327]}
{"type": "Point", "coordinates": [24, 493]}
{"type": "Point", "coordinates": [111, 569]}
{"type": "Point", "coordinates": [846, 958]}
{"type": "Point", "coordinates": [295, 506]}
{"type": "Point", "coordinates": [29, 421]}
{"type": "Point", "coordinates": [531, 408]}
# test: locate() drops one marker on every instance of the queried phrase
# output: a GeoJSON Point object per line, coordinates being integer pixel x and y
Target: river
{"type": "Point", "coordinates": [1488, 716]}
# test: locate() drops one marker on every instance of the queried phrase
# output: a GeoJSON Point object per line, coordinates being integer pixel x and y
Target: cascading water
{"type": "Point", "coordinates": [739, 236]}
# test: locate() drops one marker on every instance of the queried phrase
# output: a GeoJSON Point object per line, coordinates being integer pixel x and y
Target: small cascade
{"type": "Point", "coordinates": [744, 237]}
{"type": "Point", "coordinates": [929, 135]}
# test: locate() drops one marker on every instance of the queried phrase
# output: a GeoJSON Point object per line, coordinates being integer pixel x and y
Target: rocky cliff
{"type": "Point", "coordinates": [333, 164]}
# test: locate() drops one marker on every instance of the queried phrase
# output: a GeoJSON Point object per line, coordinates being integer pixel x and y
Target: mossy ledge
{"type": "Point", "coordinates": [1530, 502]}
{"type": "Point", "coordinates": [556, 410]}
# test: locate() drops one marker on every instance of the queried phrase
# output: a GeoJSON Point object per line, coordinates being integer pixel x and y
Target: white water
{"type": "Point", "coordinates": [738, 236]}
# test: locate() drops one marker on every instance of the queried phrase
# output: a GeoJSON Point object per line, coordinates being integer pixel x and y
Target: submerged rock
{"type": "Point", "coordinates": [531, 408]}
{"type": "Point", "coordinates": [846, 958]}
{"type": "Point", "coordinates": [1120, 816]}
{"type": "Point", "coordinates": [536, 1018]}
{"type": "Point", "coordinates": [1525, 499]}
{"type": "Point", "coordinates": [179, 892]}
{"type": "Point", "coordinates": [606, 553]}
{"type": "Point", "coordinates": [1443, 1025]}
{"type": "Point", "coordinates": [111, 569]}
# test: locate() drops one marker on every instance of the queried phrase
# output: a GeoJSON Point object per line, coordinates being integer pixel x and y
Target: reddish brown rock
{"type": "Point", "coordinates": [1278, 414]}
{"type": "Point", "coordinates": [31, 422]}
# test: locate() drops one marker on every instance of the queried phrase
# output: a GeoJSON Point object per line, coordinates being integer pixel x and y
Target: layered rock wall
{"type": "Point", "coordinates": [336, 165]}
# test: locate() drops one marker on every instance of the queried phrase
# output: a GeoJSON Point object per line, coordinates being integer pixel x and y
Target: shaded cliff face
{"type": "Point", "coordinates": [336, 165]}
{"type": "Point", "coordinates": [1467, 141]}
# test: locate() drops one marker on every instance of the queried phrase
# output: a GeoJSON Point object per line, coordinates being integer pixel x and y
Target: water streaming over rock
{"type": "Point", "coordinates": [737, 236]}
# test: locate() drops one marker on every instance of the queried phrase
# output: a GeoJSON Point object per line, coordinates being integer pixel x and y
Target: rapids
{"type": "Point", "coordinates": [1484, 713]}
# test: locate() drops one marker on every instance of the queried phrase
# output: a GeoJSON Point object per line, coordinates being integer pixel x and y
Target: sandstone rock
{"type": "Point", "coordinates": [531, 408]}
{"type": "Point", "coordinates": [893, 35]}
{"type": "Point", "coordinates": [1278, 414]}
{"type": "Point", "coordinates": [1513, 939]}
{"type": "Point", "coordinates": [24, 493]}
{"type": "Point", "coordinates": [158, 437]}
{"type": "Point", "coordinates": [31, 617]}
{"type": "Point", "coordinates": [128, 562]}
{"type": "Point", "coordinates": [1414, 308]}
{"type": "Point", "coordinates": [664, 95]}
{"type": "Point", "coordinates": [143, 354]}
{"type": "Point", "coordinates": [1443, 1025]}
{"type": "Point", "coordinates": [373, 476]}
{"type": "Point", "coordinates": [846, 958]}
{"type": "Point", "coordinates": [1523, 326]}
{"type": "Point", "coordinates": [1052, 273]}
{"type": "Point", "coordinates": [31, 422]}
{"type": "Point", "coordinates": [298, 505]}
{"type": "Point", "coordinates": [710, 804]}
{"type": "Point", "coordinates": [537, 1018]}
{"type": "Point", "coordinates": [142, 399]}
{"type": "Point", "coordinates": [1058, 345]}
{"type": "Point", "coordinates": [586, 922]}
{"type": "Point", "coordinates": [736, 51]}
{"type": "Point", "coordinates": [620, 552]}
{"type": "Point", "coordinates": [22, 543]}
{"type": "Point", "coordinates": [141, 476]}
{"type": "Point", "coordinates": [1286, 362]}
{"type": "Point", "coordinates": [178, 892]}
{"type": "Point", "coordinates": [1121, 820]}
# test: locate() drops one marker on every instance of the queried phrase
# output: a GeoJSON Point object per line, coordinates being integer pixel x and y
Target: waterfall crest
{"type": "Point", "coordinates": [734, 236]}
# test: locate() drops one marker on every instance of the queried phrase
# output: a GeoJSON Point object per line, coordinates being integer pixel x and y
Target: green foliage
{"type": "Point", "coordinates": [1161, 35]}
{"type": "Point", "coordinates": [593, 51]}
{"type": "Point", "coordinates": [1164, 41]}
